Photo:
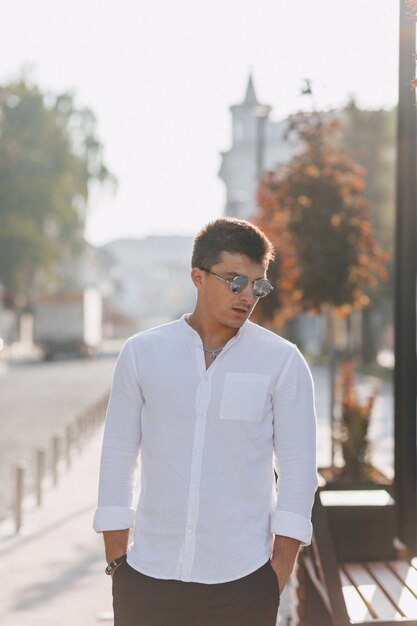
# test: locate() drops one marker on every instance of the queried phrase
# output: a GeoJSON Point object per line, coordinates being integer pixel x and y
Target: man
{"type": "Point", "coordinates": [207, 403]}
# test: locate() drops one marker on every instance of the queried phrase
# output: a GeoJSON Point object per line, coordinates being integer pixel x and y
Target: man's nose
{"type": "Point", "coordinates": [246, 294]}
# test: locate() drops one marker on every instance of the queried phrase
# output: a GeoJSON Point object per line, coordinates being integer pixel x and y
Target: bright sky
{"type": "Point", "coordinates": [161, 74]}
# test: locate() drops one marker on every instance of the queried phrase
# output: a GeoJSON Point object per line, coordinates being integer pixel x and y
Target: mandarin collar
{"type": "Point", "coordinates": [193, 334]}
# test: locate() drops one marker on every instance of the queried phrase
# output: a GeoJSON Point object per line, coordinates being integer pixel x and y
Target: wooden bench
{"type": "Point", "coordinates": [378, 590]}
{"type": "Point", "coordinates": [362, 592]}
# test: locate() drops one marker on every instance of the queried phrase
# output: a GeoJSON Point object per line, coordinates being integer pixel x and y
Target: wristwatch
{"type": "Point", "coordinates": [114, 564]}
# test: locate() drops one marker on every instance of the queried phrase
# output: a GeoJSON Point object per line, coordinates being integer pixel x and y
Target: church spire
{"type": "Point", "coordinates": [250, 97]}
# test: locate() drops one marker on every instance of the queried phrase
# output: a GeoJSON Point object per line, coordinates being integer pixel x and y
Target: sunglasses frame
{"type": "Point", "coordinates": [229, 282]}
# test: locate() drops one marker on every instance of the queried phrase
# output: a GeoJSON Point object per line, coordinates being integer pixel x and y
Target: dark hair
{"type": "Point", "coordinates": [228, 234]}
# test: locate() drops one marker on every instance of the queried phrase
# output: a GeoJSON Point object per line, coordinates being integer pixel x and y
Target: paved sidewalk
{"type": "Point", "coordinates": [53, 573]}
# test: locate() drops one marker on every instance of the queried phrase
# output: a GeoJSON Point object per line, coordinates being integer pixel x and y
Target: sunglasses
{"type": "Point", "coordinates": [261, 287]}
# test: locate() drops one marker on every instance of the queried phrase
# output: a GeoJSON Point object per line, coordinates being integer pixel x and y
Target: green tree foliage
{"type": "Point", "coordinates": [369, 138]}
{"type": "Point", "coordinates": [315, 211]}
{"type": "Point", "coordinates": [49, 156]}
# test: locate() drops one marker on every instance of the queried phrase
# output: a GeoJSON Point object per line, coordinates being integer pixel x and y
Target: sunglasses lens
{"type": "Point", "coordinates": [238, 284]}
{"type": "Point", "coordinates": [261, 288]}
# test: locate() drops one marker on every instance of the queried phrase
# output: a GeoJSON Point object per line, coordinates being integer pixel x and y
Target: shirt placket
{"type": "Point", "coordinates": [202, 403]}
{"type": "Point", "coordinates": [186, 560]}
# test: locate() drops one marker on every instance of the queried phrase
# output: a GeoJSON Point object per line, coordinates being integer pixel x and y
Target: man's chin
{"type": "Point", "coordinates": [237, 323]}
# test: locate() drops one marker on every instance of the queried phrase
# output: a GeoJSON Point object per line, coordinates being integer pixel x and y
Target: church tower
{"type": "Point", "coordinates": [258, 145]}
{"type": "Point", "coordinates": [243, 164]}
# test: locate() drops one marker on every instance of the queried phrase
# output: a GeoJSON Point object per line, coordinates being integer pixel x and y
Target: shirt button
{"type": "Point", "coordinates": [189, 531]}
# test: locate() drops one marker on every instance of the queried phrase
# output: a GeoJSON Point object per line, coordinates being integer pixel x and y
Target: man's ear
{"type": "Point", "coordinates": [197, 277]}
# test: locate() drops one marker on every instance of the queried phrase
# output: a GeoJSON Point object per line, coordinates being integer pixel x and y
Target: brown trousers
{"type": "Point", "coordinates": [140, 600]}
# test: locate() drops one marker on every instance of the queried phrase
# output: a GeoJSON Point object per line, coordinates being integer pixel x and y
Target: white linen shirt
{"type": "Point", "coordinates": [206, 440]}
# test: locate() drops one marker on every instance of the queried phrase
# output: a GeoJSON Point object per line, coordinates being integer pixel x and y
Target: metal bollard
{"type": "Point", "coordinates": [68, 444]}
{"type": "Point", "coordinates": [89, 416]}
{"type": "Point", "coordinates": [104, 410]}
{"type": "Point", "coordinates": [39, 474]}
{"type": "Point", "coordinates": [81, 429]}
{"type": "Point", "coordinates": [18, 496]}
{"type": "Point", "coordinates": [84, 425]}
{"type": "Point", "coordinates": [79, 433]}
{"type": "Point", "coordinates": [97, 414]}
{"type": "Point", "coordinates": [55, 459]}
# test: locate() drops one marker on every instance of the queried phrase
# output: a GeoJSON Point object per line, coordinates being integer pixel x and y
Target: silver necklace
{"type": "Point", "coordinates": [213, 352]}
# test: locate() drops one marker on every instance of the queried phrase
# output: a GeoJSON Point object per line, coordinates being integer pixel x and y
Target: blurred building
{"type": "Point", "coordinates": [95, 267]}
{"type": "Point", "coordinates": [154, 278]}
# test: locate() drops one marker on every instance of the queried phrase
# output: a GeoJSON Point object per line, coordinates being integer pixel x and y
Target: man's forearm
{"type": "Point", "coordinates": [283, 557]}
{"type": "Point", "coordinates": [115, 543]}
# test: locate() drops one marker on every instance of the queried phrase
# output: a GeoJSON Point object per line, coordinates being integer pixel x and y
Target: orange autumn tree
{"type": "Point", "coordinates": [316, 214]}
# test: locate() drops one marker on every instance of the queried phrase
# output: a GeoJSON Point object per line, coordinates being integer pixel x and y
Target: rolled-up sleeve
{"type": "Point", "coordinates": [295, 450]}
{"type": "Point", "coordinates": [121, 445]}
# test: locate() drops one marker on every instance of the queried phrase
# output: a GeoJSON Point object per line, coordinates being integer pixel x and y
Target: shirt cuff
{"type": "Point", "coordinates": [113, 518]}
{"type": "Point", "coordinates": [291, 525]}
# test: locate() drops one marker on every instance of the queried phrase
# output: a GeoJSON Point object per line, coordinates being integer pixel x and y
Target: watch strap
{"type": "Point", "coordinates": [114, 564]}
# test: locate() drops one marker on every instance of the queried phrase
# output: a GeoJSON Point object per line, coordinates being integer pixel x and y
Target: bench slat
{"type": "Point", "coordinates": [400, 595]}
{"type": "Point", "coordinates": [371, 592]}
{"type": "Point", "coordinates": [357, 609]}
{"type": "Point", "coordinates": [407, 573]}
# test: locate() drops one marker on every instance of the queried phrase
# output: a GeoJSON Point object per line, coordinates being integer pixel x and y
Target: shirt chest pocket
{"type": "Point", "coordinates": [244, 396]}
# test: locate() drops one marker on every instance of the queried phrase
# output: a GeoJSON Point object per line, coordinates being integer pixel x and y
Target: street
{"type": "Point", "coordinates": [37, 401]}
